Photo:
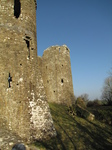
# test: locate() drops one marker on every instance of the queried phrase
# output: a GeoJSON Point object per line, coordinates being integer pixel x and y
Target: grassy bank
{"type": "Point", "coordinates": [75, 133]}
{"type": "Point", "coordinates": [102, 113]}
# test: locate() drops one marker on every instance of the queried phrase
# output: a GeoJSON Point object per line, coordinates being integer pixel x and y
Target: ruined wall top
{"type": "Point", "coordinates": [57, 47]}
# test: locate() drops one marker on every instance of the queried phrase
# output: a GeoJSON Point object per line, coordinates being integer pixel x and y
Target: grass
{"type": "Point", "coordinates": [75, 133]}
{"type": "Point", "coordinates": [102, 113]}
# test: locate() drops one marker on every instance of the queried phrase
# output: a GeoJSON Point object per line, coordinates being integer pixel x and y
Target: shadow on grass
{"type": "Point", "coordinates": [93, 135]}
{"type": "Point", "coordinates": [53, 144]}
{"type": "Point", "coordinates": [63, 144]}
{"type": "Point", "coordinates": [101, 129]}
{"type": "Point", "coordinates": [70, 139]}
{"type": "Point", "coordinates": [77, 133]}
{"type": "Point", "coordinates": [98, 139]}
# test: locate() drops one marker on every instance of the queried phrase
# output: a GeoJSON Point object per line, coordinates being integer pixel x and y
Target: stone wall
{"type": "Point", "coordinates": [28, 81]}
{"type": "Point", "coordinates": [23, 104]}
{"type": "Point", "coordinates": [55, 67]}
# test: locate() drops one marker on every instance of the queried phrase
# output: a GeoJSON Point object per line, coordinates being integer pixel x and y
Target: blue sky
{"type": "Point", "coordinates": [85, 26]}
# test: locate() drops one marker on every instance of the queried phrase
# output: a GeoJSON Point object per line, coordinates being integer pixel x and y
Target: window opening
{"type": "Point", "coordinates": [9, 80]}
{"type": "Point", "coordinates": [17, 8]}
{"type": "Point", "coordinates": [28, 37]}
{"type": "Point", "coordinates": [27, 40]}
{"type": "Point", "coordinates": [46, 67]}
{"type": "Point", "coordinates": [28, 44]}
{"type": "Point", "coordinates": [47, 81]}
{"type": "Point", "coordinates": [54, 91]}
{"type": "Point", "coordinates": [62, 81]}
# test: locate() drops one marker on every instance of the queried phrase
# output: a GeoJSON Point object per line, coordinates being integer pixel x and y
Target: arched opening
{"type": "Point", "coordinates": [17, 8]}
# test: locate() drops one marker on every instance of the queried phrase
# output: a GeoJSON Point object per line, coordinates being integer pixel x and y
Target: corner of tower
{"type": "Point", "coordinates": [66, 47]}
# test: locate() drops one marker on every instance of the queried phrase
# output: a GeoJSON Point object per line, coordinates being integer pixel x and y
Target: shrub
{"type": "Point", "coordinates": [102, 113]}
{"type": "Point", "coordinates": [96, 102]}
{"type": "Point", "coordinates": [80, 102]}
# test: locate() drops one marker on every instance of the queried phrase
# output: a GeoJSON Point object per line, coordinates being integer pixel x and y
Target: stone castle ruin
{"type": "Point", "coordinates": [55, 68]}
{"type": "Point", "coordinates": [28, 81]}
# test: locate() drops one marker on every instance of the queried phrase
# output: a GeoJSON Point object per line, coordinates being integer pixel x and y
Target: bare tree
{"type": "Point", "coordinates": [107, 90]}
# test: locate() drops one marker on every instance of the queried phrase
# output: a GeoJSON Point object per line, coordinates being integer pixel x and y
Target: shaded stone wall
{"type": "Point", "coordinates": [23, 106]}
{"type": "Point", "coordinates": [56, 73]}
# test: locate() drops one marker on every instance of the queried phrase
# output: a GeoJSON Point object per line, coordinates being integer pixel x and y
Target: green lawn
{"type": "Point", "coordinates": [77, 133]}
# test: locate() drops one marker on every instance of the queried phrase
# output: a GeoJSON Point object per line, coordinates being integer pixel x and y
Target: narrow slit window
{"type": "Point", "coordinates": [27, 40]}
{"type": "Point", "coordinates": [62, 81]}
{"type": "Point", "coordinates": [28, 46]}
{"type": "Point", "coordinates": [9, 80]}
{"type": "Point", "coordinates": [17, 8]}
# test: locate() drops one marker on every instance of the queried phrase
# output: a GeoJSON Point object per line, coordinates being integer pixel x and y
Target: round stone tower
{"type": "Point", "coordinates": [57, 76]}
{"type": "Point", "coordinates": [23, 106]}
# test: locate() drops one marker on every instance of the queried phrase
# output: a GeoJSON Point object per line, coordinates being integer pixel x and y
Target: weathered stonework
{"type": "Point", "coordinates": [55, 67]}
{"type": "Point", "coordinates": [23, 102]}
{"type": "Point", "coordinates": [28, 81]}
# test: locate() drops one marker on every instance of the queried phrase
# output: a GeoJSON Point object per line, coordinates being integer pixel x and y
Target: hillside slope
{"type": "Point", "coordinates": [75, 133]}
